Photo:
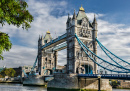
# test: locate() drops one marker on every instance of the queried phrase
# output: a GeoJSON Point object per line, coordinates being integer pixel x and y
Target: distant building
{"type": "Point", "coordinates": [27, 70]}
{"type": "Point", "coordinates": [1, 69]}
{"type": "Point", "coordinates": [18, 71]}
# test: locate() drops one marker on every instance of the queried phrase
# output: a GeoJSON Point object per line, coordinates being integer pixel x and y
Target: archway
{"type": "Point", "coordinates": [49, 72]}
{"type": "Point", "coordinates": [88, 69]}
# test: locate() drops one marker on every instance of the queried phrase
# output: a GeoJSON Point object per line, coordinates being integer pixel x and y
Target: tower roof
{"type": "Point", "coordinates": [47, 36]}
{"type": "Point", "coordinates": [48, 32]}
{"type": "Point", "coordinates": [81, 14]}
{"type": "Point", "coordinates": [81, 8]}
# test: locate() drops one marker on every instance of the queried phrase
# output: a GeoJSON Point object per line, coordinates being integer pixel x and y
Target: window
{"type": "Point", "coordinates": [45, 41]}
{"type": "Point", "coordinates": [26, 67]}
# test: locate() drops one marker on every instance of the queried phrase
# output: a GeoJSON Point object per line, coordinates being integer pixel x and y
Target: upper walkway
{"type": "Point", "coordinates": [55, 42]}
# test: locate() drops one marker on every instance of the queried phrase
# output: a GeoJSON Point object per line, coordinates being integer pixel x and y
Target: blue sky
{"type": "Point", "coordinates": [113, 17]}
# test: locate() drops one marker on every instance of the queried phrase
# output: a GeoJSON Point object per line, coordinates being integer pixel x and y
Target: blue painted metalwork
{"type": "Point", "coordinates": [60, 46]}
{"type": "Point", "coordinates": [81, 44]}
{"type": "Point", "coordinates": [106, 76]}
{"type": "Point", "coordinates": [34, 64]}
{"type": "Point", "coordinates": [111, 52]}
{"type": "Point", "coordinates": [55, 40]}
{"type": "Point", "coordinates": [110, 57]}
{"type": "Point", "coordinates": [25, 73]}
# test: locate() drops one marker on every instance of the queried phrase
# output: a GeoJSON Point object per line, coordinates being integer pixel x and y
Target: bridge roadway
{"type": "Point", "coordinates": [106, 76]}
{"type": "Point", "coordinates": [103, 76]}
{"type": "Point", "coordinates": [55, 42]}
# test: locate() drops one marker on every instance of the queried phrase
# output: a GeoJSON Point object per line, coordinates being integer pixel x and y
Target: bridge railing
{"type": "Point", "coordinates": [55, 40]}
{"type": "Point", "coordinates": [105, 75]}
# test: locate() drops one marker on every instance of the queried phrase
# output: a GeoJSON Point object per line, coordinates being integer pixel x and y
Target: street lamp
{"type": "Point", "coordinates": [99, 77]}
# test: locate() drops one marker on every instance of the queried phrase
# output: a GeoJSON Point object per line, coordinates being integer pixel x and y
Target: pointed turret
{"type": "Point", "coordinates": [68, 18]}
{"type": "Point", "coordinates": [94, 23]}
{"type": "Point", "coordinates": [42, 37]}
{"type": "Point", "coordinates": [39, 37]}
{"type": "Point", "coordinates": [94, 20]}
{"type": "Point", "coordinates": [74, 15]}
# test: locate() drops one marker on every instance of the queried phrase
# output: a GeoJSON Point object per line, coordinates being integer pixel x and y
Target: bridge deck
{"type": "Point", "coordinates": [106, 76]}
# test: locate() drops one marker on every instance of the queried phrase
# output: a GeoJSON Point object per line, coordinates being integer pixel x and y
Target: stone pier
{"type": "Point", "coordinates": [71, 81]}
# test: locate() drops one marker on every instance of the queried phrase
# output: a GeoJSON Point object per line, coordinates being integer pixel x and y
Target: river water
{"type": "Point", "coordinates": [20, 87]}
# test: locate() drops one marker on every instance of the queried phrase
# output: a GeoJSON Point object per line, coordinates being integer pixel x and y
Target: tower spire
{"type": "Point", "coordinates": [42, 36]}
{"type": "Point", "coordinates": [94, 20]}
{"type": "Point", "coordinates": [74, 15]}
{"type": "Point", "coordinates": [68, 18]}
{"type": "Point", "coordinates": [94, 23]}
{"type": "Point", "coordinates": [39, 37]}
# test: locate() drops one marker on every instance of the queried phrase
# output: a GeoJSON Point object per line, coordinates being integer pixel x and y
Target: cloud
{"type": "Point", "coordinates": [52, 16]}
{"type": "Point", "coordinates": [24, 50]}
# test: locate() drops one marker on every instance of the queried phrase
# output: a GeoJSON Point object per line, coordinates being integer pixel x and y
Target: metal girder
{"type": "Point", "coordinates": [57, 47]}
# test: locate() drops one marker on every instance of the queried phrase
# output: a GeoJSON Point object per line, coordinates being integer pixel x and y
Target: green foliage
{"type": "Point", "coordinates": [114, 83]}
{"type": "Point", "coordinates": [8, 72]}
{"type": "Point", "coordinates": [1, 76]}
{"type": "Point", "coordinates": [15, 12]}
{"type": "Point", "coordinates": [5, 43]}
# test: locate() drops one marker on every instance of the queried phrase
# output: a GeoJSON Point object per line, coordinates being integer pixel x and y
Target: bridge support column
{"type": "Point", "coordinates": [71, 81]}
{"type": "Point", "coordinates": [55, 55]}
{"type": "Point", "coordinates": [99, 84]}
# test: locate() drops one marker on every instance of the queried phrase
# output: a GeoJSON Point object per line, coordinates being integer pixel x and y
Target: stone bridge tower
{"type": "Point", "coordinates": [47, 61]}
{"type": "Point", "coordinates": [77, 60]}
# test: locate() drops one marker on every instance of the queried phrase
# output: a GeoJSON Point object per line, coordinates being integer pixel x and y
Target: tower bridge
{"type": "Point", "coordinates": [81, 41]}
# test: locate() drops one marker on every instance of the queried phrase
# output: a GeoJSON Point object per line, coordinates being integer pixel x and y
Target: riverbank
{"type": "Point", "coordinates": [20, 87]}
{"type": "Point", "coordinates": [122, 88]}
{"type": "Point", "coordinates": [11, 80]}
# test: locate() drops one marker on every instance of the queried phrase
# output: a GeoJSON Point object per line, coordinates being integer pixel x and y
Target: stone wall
{"type": "Point", "coordinates": [71, 81]}
{"type": "Point", "coordinates": [34, 80]}
{"type": "Point", "coordinates": [124, 84]}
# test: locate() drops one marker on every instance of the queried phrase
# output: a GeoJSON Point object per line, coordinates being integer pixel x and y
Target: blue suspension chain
{"type": "Point", "coordinates": [98, 57]}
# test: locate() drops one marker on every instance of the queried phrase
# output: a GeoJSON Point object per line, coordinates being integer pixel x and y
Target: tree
{"type": "Point", "coordinates": [10, 72]}
{"type": "Point", "coordinates": [5, 43]}
{"type": "Point", "coordinates": [13, 12]}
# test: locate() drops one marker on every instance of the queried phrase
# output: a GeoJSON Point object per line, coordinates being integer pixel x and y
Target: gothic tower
{"type": "Point", "coordinates": [77, 60]}
{"type": "Point", "coordinates": [46, 59]}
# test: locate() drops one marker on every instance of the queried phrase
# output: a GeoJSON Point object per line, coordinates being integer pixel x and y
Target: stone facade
{"type": "Point", "coordinates": [71, 81]}
{"type": "Point", "coordinates": [47, 61]}
{"type": "Point", "coordinates": [87, 32]}
{"type": "Point", "coordinates": [124, 84]}
{"type": "Point", "coordinates": [27, 70]}
{"type": "Point", "coordinates": [77, 60]}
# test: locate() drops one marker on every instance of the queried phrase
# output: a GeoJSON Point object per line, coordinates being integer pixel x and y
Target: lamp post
{"type": "Point", "coordinates": [99, 78]}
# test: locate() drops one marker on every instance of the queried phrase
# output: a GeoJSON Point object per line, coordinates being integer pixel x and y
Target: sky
{"type": "Point", "coordinates": [113, 28]}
